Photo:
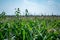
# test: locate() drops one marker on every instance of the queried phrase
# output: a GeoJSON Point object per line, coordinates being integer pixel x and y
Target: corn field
{"type": "Point", "coordinates": [30, 29]}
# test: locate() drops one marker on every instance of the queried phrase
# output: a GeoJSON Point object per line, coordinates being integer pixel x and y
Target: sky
{"type": "Point", "coordinates": [35, 7]}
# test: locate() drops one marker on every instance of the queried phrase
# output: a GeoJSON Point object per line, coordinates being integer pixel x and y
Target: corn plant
{"type": "Point", "coordinates": [30, 29]}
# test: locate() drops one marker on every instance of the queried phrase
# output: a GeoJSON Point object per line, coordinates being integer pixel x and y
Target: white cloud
{"type": "Point", "coordinates": [51, 2]}
{"type": "Point", "coordinates": [32, 7]}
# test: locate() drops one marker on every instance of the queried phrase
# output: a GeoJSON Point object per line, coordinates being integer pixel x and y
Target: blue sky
{"type": "Point", "coordinates": [35, 7]}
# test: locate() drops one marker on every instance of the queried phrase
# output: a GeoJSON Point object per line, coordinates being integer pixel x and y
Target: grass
{"type": "Point", "coordinates": [30, 29]}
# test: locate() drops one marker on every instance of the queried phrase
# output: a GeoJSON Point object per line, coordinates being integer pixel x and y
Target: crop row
{"type": "Point", "coordinates": [30, 29]}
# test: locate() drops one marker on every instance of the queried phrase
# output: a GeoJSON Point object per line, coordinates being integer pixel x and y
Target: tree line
{"type": "Point", "coordinates": [18, 13]}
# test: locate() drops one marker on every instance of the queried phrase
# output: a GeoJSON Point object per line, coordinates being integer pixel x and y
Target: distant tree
{"type": "Point", "coordinates": [26, 12]}
{"type": "Point", "coordinates": [17, 12]}
{"type": "Point", "coordinates": [3, 14]}
{"type": "Point", "coordinates": [41, 14]}
{"type": "Point", "coordinates": [52, 13]}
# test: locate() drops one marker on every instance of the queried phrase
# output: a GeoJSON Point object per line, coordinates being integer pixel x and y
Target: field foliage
{"type": "Point", "coordinates": [29, 29]}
